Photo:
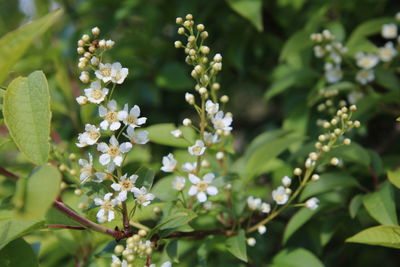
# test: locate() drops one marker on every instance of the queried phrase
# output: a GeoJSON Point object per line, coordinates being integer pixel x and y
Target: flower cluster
{"type": "Point", "coordinates": [115, 124]}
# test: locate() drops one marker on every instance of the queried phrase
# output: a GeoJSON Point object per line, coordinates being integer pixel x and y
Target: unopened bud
{"type": "Point", "coordinates": [187, 122]}
{"type": "Point", "coordinates": [95, 31]}
{"type": "Point", "coordinates": [297, 171]}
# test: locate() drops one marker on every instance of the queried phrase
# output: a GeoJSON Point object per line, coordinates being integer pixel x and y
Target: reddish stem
{"type": "Point", "coordinates": [66, 226]}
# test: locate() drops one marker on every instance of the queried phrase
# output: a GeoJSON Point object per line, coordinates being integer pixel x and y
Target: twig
{"type": "Point", "coordinates": [66, 226]}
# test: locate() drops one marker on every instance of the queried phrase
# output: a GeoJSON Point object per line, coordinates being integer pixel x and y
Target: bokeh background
{"type": "Point", "coordinates": [267, 85]}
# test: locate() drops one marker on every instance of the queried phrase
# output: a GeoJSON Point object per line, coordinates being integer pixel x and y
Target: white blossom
{"type": "Point", "coordinates": [118, 73]}
{"type": "Point", "coordinates": [177, 133]}
{"type": "Point", "coordinates": [179, 183]}
{"type": "Point", "coordinates": [262, 229]}
{"type": "Point", "coordinates": [387, 52]}
{"type": "Point", "coordinates": [117, 262]}
{"type": "Point", "coordinates": [104, 72]}
{"type": "Point", "coordinates": [312, 203]}
{"type": "Point", "coordinates": [189, 167]}
{"type": "Point", "coordinates": [210, 138]}
{"type": "Point", "coordinates": [366, 61]}
{"type": "Point", "coordinates": [132, 118]}
{"type": "Point", "coordinates": [389, 31]}
{"type": "Point", "coordinates": [86, 168]}
{"type": "Point", "coordinates": [265, 207]}
{"type": "Point", "coordinates": [142, 197]}
{"type": "Point", "coordinates": [253, 203]}
{"type": "Point", "coordinates": [333, 73]}
{"type": "Point", "coordinates": [113, 152]}
{"type": "Point", "coordinates": [110, 115]}
{"type": "Point", "coordinates": [222, 122]}
{"type": "Point", "coordinates": [106, 212]}
{"type": "Point", "coordinates": [136, 137]}
{"type": "Point", "coordinates": [169, 163]}
{"type": "Point", "coordinates": [124, 186]}
{"type": "Point", "coordinates": [82, 100]}
{"type": "Point", "coordinates": [251, 241]}
{"type": "Point", "coordinates": [197, 149]}
{"type": "Point", "coordinates": [211, 108]}
{"type": "Point", "coordinates": [365, 76]}
{"type": "Point", "coordinates": [279, 195]}
{"type": "Point", "coordinates": [201, 187]}
{"type": "Point", "coordinates": [286, 181]}
{"type": "Point", "coordinates": [95, 93]}
{"type": "Point", "coordinates": [89, 137]}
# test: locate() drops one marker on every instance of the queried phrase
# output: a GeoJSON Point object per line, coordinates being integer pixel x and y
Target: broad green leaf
{"type": "Point", "coordinates": [355, 205]}
{"type": "Point", "coordinates": [18, 253]}
{"type": "Point", "coordinates": [161, 134]}
{"type": "Point", "coordinates": [297, 43]}
{"type": "Point", "coordinates": [146, 178]}
{"type": "Point", "coordinates": [298, 257]}
{"type": "Point", "coordinates": [352, 153]}
{"type": "Point", "coordinates": [387, 79]}
{"type": "Point", "coordinates": [237, 245]}
{"type": "Point", "coordinates": [27, 115]}
{"type": "Point", "coordinates": [328, 182]}
{"type": "Point", "coordinates": [173, 76]}
{"type": "Point", "coordinates": [394, 177]}
{"type": "Point", "coordinates": [386, 236]}
{"type": "Point", "coordinates": [14, 44]}
{"type": "Point", "coordinates": [250, 10]}
{"type": "Point", "coordinates": [54, 216]}
{"type": "Point", "coordinates": [172, 251]}
{"type": "Point", "coordinates": [11, 229]}
{"type": "Point", "coordinates": [297, 221]}
{"type": "Point", "coordinates": [163, 189]}
{"type": "Point", "coordinates": [177, 218]}
{"type": "Point", "coordinates": [381, 205]}
{"type": "Point", "coordinates": [42, 188]}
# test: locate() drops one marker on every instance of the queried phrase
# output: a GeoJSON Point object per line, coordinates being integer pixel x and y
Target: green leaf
{"type": "Point", "coordinates": [386, 236]}
{"type": "Point", "coordinates": [177, 218]}
{"type": "Point", "coordinates": [387, 79]}
{"type": "Point", "coordinates": [18, 253]}
{"type": "Point", "coordinates": [394, 177]}
{"type": "Point", "coordinates": [355, 205]}
{"type": "Point", "coordinates": [163, 189]}
{"type": "Point", "coordinates": [172, 251]}
{"type": "Point", "coordinates": [14, 44]}
{"type": "Point", "coordinates": [297, 221]}
{"type": "Point", "coordinates": [352, 153]}
{"type": "Point", "coordinates": [161, 134]}
{"type": "Point", "coordinates": [27, 115]}
{"type": "Point", "coordinates": [11, 229]}
{"type": "Point", "coordinates": [146, 178]}
{"type": "Point", "coordinates": [298, 257]}
{"type": "Point", "coordinates": [237, 245]}
{"type": "Point", "coordinates": [42, 188]}
{"type": "Point", "coordinates": [381, 205]}
{"type": "Point", "coordinates": [173, 76]}
{"type": "Point", "coordinates": [54, 216]}
{"type": "Point", "coordinates": [328, 182]}
{"type": "Point", "coordinates": [250, 10]}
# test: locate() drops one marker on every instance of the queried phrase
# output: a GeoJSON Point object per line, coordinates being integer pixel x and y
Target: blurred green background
{"type": "Point", "coordinates": [252, 38]}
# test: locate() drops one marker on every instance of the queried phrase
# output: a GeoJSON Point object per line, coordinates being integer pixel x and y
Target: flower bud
{"type": "Point", "coordinates": [81, 43]}
{"type": "Point", "coordinates": [62, 167]}
{"type": "Point", "coordinates": [118, 249]}
{"type": "Point", "coordinates": [224, 99]}
{"type": "Point", "coordinates": [262, 229]}
{"type": "Point", "coordinates": [178, 44]}
{"type": "Point", "coordinates": [205, 163]}
{"type": "Point", "coordinates": [334, 161]}
{"type": "Point", "coordinates": [189, 16]}
{"type": "Point", "coordinates": [202, 90]}
{"type": "Point", "coordinates": [297, 171]}
{"type": "Point", "coordinates": [347, 141]}
{"type": "Point", "coordinates": [322, 138]}
{"type": "Point", "coordinates": [80, 50]}
{"type": "Point", "coordinates": [251, 241]}
{"type": "Point", "coordinates": [357, 124]}
{"type": "Point", "coordinates": [82, 100]}
{"type": "Point", "coordinates": [205, 49]}
{"type": "Point", "coordinates": [315, 177]}
{"type": "Point", "coordinates": [220, 155]}
{"type": "Point", "coordinates": [85, 38]}
{"type": "Point", "coordinates": [189, 98]}
{"type": "Point", "coordinates": [353, 107]}
{"type": "Point", "coordinates": [181, 30]}
{"type": "Point", "coordinates": [72, 172]}
{"type": "Point", "coordinates": [187, 122]}
{"type": "Point", "coordinates": [200, 27]}
{"type": "Point", "coordinates": [95, 31]}
{"type": "Point", "coordinates": [325, 148]}
{"type": "Point", "coordinates": [102, 44]}
{"type": "Point", "coordinates": [78, 192]}
{"type": "Point", "coordinates": [217, 58]}
{"type": "Point", "coordinates": [215, 86]}
{"type": "Point", "coordinates": [142, 233]}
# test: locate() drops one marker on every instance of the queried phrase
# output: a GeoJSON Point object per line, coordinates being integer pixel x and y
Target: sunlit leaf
{"type": "Point", "coordinates": [386, 236]}
{"type": "Point", "coordinates": [250, 10]}
{"type": "Point", "coordinates": [237, 245]}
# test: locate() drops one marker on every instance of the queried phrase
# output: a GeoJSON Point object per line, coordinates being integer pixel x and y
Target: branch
{"type": "Point", "coordinates": [8, 174]}
{"type": "Point", "coordinates": [66, 226]}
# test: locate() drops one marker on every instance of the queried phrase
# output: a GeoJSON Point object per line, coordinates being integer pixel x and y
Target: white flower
{"type": "Point", "coordinates": [82, 100]}
{"type": "Point", "coordinates": [110, 116]}
{"type": "Point", "coordinates": [211, 108]}
{"type": "Point", "coordinates": [177, 133]}
{"type": "Point", "coordinates": [165, 264]}
{"type": "Point", "coordinates": [388, 52]}
{"type": "Point", "coordinates": [312, 203]}
{"type": "Point", "coordinates": [132, 118]}
{"type": "Point", "coordinates": [389, 31]}
{"type": "Point", "coordinates": [202, 188]}
{"type": "Point", "coordinates": [95, 93]}
{"type": "Point", "coordinates": [89, 137]}
{"type": "Point", "coordinates": [262, 229]}
{"type": "Point", "coordinates": [222, 122]}
{"type": "Point", "coordinates": [179, 183]}
{"type": "Point", "coordinates": [189, 167]}
{"type": "Point", "coordinates": [280, 196]}
{"type": "Point", "coordinates": [365, 76]}
{"type": "Point", "coordinates": [106, 212]}
{"type": "Point", "coordinates": [210, 138]}
{"type": "Point", "coordinates": [333, 74]}
{"type": "Point", "coordinates": [169, 163]}
{"type": "Point", "coordinates": [319, 51]}
{"type": "Point", "coordinates": [142, 197]}
{"type": "Point", "coordinates": [86, 168]}
{"type": "Point", "coordinates": [124, 186]}
{"type": "Point", "coordinates": [253, 203]}
{"type": "Point", "coordinates": [117, 262]}
{"type": "Point", "coordinates": [265, 207]}
{"type": "Point", "coordinates": [100, 176]}
{"type": "Point", "coordinates": [135, 137]}
{"type": "Point", "coordinates": [286, 181]}
{"type": "Point", "coordinates": [113, 152]}
{"type": "Point", "coordinates": [104, 72]}
{"type": "Point", "coordinates": [366, 61]}
{"type": "Point", "coordinates": [197, 149]}
{"type": "Point", "coordinates": [118, 73]}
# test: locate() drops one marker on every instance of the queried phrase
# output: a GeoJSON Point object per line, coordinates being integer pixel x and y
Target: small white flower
{"type": "Point", "coordinates": [365, 76]}
{"type": "Point", "coordinates": [124, 186]}
{"type": "Point", "coordinates": [262, 229]}
{"type": "Point", "coordinates": [388, 52]}
{"type": "Point", "coordinates": [286, 181]}
{"type": "Point", "coordinates": [366, 61]}
{"type": "Point", "coordinates": [189, 167]}
{"type": "Point", "coordinates": [118, 73]}
{"type": "Point", "coordinates": [389, 31]}
{"type": "Point", "coordinates": [222, 122]}
{"type": "Point", "coordinates": [104, 72]}
{"type": "Point", "coordinates": [197, 149]}
{"type": "Point", "coordinates": [94, 61]}
{"type": "Point", "coordinates": [101, 176]}
{"type": "Point", "coordinates": [142, 197]}
{"type": "Point", "coordinates": [82, 100]}
{"type": "Point", "coordinates": [135, 137]}
{"type": "Point", "coordinates": [117, 262]}
{"type": "Point", "coordinates": [110, 116]}
{"type": "Point", "coordinates": [319, 51]}
{"type": "Point", "coordinates": [113, 152]}
{"type": "Point", "coordinates": [210, 138]}
{"type": "Point", "coordinates": [211, 108]}
{"type": "Point", "coordinates": [333, 74]}
{"type": "Point", "coordinates": [89, 137]}
{"type": "Point", "coordinates": [202, 188]}
{"type": "Point", "coordinates": [280, 196]}
{"type": "Point", "coordinates": [312, 203]}
{"type": "Point", "coordinates": [253, 203]}
{"type": "Point", "coordinates": [179, 183]}
{"type": "Point", "coordinates": [169, 163]}
{"type": "Point", "coordinates": [86, 168]}
{"type": "Point", "coordinates": [251, 241]}
{"type": "Point", "coordinates": [132, 118]}
{"type": "Point", "coordinates": [177, 133]}
{"type": "Point", "coordinates": [95, 93]}
{"type": "Point", "coordinates": [265, 208]}
{"type": "Point", "coordinates": [106, 212]}
{"type": "Point", "coordinates": [189, 98]}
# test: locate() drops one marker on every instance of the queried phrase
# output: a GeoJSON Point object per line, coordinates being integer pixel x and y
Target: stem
{"type": "Point", "coordinates": [125, 217]}
{"type": "Point", "coordinates": [66, 226]}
